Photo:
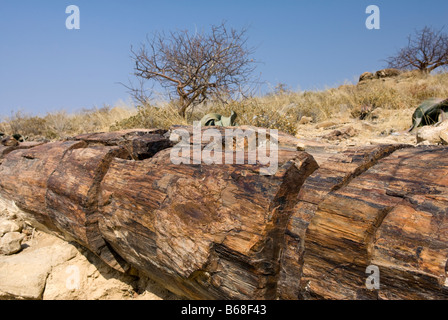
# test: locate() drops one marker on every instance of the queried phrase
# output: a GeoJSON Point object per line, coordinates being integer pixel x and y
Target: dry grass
{"type": "Point", "coordinates": [397, 97]}
{"type": "Point", "coordinates": [60, 124]}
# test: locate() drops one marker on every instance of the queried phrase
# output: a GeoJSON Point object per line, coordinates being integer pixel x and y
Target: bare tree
{"type": "Point", "coordinates": [427, 50]}
{"type": "Point", "coordinates": [195, 67]}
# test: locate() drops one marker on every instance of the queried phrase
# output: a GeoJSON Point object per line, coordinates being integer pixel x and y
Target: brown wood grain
{"type": "Point", "coordinates": [224, 231]}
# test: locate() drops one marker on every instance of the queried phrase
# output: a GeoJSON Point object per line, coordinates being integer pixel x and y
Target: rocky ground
{"type": "Point", "coordinates": [37, 265]}
{"type": "Point", "coordinates": [383, 127]}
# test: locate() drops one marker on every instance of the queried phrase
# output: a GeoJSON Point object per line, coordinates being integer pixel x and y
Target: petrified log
{"type": "Point", "coordinates": [4, 150]}
{"type": "Point", "coordinates": [25, 173]}
{"type": "Point", "coordinates": [215, 231]}
{"type": "Point", "coordinates": [392, 215]}
{"type": "Point", "coordinates": [72, 197]}
{"type": "Point", "coordinates": [205, 231]}
{"type": "Point", "coordinates": [225, 231]}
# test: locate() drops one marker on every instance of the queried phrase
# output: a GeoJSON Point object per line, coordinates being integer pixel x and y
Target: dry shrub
{"type": "Point", "coordinates": [151, 117]}
{"type": "Point", "coordinates": [60, 124]}
{"type": "Point", "coordinates": [24, 124]}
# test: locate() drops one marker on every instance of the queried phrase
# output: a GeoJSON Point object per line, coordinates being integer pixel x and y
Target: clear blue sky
{"type": "Point", "coordinates": [304, 43]}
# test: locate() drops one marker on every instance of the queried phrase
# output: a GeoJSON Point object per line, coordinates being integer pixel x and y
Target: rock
{"type": "Point", "coordinates": [326, 124]}
{"type": "Point", "coordinates": [433, 134]}
{"type": "Point", "coordinates": [52, 269]}
{"type": "Point", "coordinates": [23, 276]}
{"type": "Point", "coordinates": [301, 146]}
{"type": "Point", "coordinates": [366, 76]}
{"type": "Point", "coordinates": [387, 73]}
{"type": "Point", "coordinates": [350, 131]}
{"type": "Point", "coordinates": [424, 143]}
{"type": "Point", "coordinates": [305, 120]}
{"type": "Point", "coordinates": [376, 113]}
{"type": "Point", "coordinates": [10, 142]}
{"type": "Point", "coordinates": [87, 277]}
{"type": "Point", "coordinates": [341, 134]}
{"type": "Point", "coordinates": [381, 74]}
{"type": "Point", "coordinates": [11, 243]}
{"type": "Point", "coordinates": [444, 137]}
{"type": "Point", "coordinates": [9, 226]}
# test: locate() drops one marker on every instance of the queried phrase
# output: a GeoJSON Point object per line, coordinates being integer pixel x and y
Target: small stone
{"type": "Point", "coordinates": [305, 120]}
{"type": "Point", "coordinates": [350, 131]}
{"type": "Point", "coordinates": [11, 243]}
{"type": "Point", "coordinates": [424, 143]}
{"type": "Point", "coordinates": [326, 124]}
{"type": "Point", "coordinates": [300, 146]}
{"type": "Point", "coordinates": [9, 226]}
{"type": "Point", "coordinates": [444, 137]}
{"type": "Point", "coordinates": [376, 113]}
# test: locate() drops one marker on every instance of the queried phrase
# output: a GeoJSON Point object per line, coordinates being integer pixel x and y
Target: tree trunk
{"type": "Point", "coordinates": [309, 231]}
{"type": "Point", "coordinates": [376, 207]}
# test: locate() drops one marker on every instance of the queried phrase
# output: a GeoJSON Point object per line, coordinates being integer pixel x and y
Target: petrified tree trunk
{"type": "Point", "coordinates": [333, 174]}
{"type": "Point", "coordinates": [72, 197]}
{"type": "Point", "coordinates": [215, 230]}
{"type": "Point", "coordinates": [24, 175]}
{"type": "Point", "coordinates": [227, 232]}
{"type": "Point", "coordinates": [377, 207]}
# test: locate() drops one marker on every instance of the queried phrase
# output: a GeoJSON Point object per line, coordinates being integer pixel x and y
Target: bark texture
{"type": "Point", "coordinates": [225, 231]}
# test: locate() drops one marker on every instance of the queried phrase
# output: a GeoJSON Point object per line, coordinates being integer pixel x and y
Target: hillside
{"type": "Point", "coordinates": [385, 106]}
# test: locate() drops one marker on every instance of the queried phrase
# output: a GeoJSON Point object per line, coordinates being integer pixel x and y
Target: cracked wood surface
{"type": "Point", "coordinates": [227, 232]}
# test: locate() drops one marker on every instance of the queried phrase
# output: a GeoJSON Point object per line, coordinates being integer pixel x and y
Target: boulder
{"type": "Point", "coordinates": [86, 277]}
{"type": "Point", "coordinates": [433, 134]}
{"type": "Point", "coordinates": [9, 226]}
{"type": "Point", "coordinates": [387, 73]}
{"type": "Point", "coordinates": [380, 74]}
{"type": "Point", "coordinates": [23, 276]}
{"type": "Point", "coordinates": [50, 268]}
{"type": "Point", "coordinates": [366, 76]}
{"type": "Point", "coordinates": [11, 243]}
